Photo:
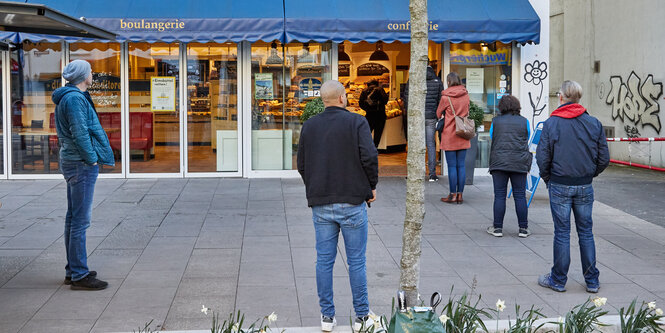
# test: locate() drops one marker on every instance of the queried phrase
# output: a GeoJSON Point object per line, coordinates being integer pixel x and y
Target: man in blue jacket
{"type": "Point", "coordinates": [338, 162]}
{"type": "Point", "coordinates": [83, 147]}
{"type": "Point", "coordinates": [571, 152]}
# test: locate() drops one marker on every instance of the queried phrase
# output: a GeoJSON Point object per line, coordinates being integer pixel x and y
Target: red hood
{"type": "Point", "coordinates": [572, 110]}
{"type": "Point", "coordinates": [455, 91]}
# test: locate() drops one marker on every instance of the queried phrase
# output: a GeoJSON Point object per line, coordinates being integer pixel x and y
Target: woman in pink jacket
{"type": "Point", "coordinates": [455, 97]}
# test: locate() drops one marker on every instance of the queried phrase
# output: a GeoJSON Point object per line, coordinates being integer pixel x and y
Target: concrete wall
{"type": "Point", "coordinates": [625, 39]}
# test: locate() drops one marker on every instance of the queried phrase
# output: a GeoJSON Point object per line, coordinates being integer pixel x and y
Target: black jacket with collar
{"type": "Point", "coordinates": [337, 159]}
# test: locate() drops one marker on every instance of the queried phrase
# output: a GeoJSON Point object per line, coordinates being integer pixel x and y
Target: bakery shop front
{"type": "Point", "coordinates": [217, 89]}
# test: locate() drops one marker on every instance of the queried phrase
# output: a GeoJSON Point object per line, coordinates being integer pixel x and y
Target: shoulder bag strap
{"type": "Point", "coordinates": [451, 106]}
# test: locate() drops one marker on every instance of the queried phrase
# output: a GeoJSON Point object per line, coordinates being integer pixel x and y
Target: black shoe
{"type": "Point", "coordinates": [89, 283]}
{"type": "Point", "coordinates": [68, 279]}
{"type": "Point", "coordinates": [433, 178]}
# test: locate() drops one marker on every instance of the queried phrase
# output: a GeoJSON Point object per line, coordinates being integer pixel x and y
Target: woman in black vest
{"type": "Point", "coordinates": [510, 159]}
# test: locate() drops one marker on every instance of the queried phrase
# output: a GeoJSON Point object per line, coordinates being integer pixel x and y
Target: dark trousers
{"type": "Point", "coordinates": [376, 124]}
{"type": "Point", "coordinates": [518, 183]}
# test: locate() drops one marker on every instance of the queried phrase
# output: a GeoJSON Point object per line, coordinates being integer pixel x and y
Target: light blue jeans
{"type": "Point", "coordinates": [579, 199]}
{"type": "Point", "coordinates": [81, 179]}
{"type": "Point", "coordinates": [352, 221]}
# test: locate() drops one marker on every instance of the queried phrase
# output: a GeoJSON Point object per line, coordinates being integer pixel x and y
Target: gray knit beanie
{"type": "Point", "coordinates": [76, 71]}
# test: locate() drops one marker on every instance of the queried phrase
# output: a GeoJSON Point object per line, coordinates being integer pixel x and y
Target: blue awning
{"type": "Point", "coordinates": [176, 20]}
{"type": "Point", "coordinates": [388, 20]}
{"type": "Point", "coordinates": [301, 20]}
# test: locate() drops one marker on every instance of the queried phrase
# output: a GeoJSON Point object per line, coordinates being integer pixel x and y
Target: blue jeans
{"type": "Point", "coordinates": [81, 180]}
{"type": "Point", "coordinates": [430, 139]}
{"type": "Point", "coordinates": [518, 183]}
{"type": "Point", "coordinates": [579, 199]}
{"type": "Point", "coordinates": [352, 220]}
{"type": "Point", "coordinates": [456, 170]}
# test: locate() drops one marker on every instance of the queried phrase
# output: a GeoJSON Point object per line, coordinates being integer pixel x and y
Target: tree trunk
{"type": "Point", "coordinates": [415, 160]}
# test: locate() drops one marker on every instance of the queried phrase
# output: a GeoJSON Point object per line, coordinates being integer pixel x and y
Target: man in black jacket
{"type": "Point", "coordinates": [571, 152]}
{"type": "Point", "coordinates": [338, 162]}
{"type": "Point", "coordinates": [432, 98]}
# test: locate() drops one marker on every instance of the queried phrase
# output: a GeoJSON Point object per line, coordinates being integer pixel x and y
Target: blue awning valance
{"type": "Point", "coordinates": [176, 20]}
{"type": "Point", "coordinates": [388, 20]}
{"type": "Point", "coordinates": [302, 20]}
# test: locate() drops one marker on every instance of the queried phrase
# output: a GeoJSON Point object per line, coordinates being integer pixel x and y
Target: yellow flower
{"type": "Point", "coordinates": [659, 312]}
{"type": "Point", "coordinates": [272, 317]}
{"type": "Point", "coordinates": [651, 305]}
{"type": "Point", "coordinates": [500, 305]}
{"type": "Point", "coordinates": [599, 301]}
{"type": "Point", "coordinates": [444, 319]}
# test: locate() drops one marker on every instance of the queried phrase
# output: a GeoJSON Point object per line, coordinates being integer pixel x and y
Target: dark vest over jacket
{"type": "Point", "coordinates": [510, 144]}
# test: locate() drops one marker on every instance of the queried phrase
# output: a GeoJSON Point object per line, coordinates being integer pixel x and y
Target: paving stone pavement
{"type": "Point", "coordinates": [169, 246]}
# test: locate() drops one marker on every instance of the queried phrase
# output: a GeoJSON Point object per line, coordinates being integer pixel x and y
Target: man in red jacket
{"type": "Point", "coordinates": [338, 163]}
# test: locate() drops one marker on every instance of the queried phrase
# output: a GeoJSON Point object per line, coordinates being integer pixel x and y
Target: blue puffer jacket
{"type": "Point", "coordinates": [81, 136]}
{"type": "Point", "coordinates": [572, 148]}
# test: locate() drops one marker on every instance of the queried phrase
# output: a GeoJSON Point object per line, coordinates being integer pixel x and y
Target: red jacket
{"type": "Point", "coordinates": [460, 99]}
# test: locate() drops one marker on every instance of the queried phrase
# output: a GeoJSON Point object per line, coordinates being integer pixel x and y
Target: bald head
{"type": "Point", "coordinates": [333, 94]}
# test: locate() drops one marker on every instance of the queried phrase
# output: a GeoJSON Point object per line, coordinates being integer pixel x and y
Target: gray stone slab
{"type": "Point", "coordinates": [39, 235]}
{"type": "Point", "coordinates": [208, 287]}
{"type": "Point", "coordinates": [127, 236]}
{"type": "Point", "coordinates": [284, 303]}
{"type": "Point", "coordinates": [110, 263]}
{"type": "Point", "coordinates": [130, 304]}
{"type": "Point", "coordinates": [210, 263]}
{"type": "Point", "coordinates": [280, 274]}
{"type": "Point", "coordinates": [177, 249]}
{"type": "Point", "coordinates": [58, 326]}
{"type": "Point", "coordinates": [190, 306]}
{"type": "Point", "coordinates": [19, 305]}
{"type": "Point", "coordinates": [62, 304]}
{"type": "Point", "coordinates": [265, 248]}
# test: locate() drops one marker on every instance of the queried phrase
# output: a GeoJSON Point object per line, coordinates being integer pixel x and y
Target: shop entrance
{"type": "Point", "coordinates": [363, 65]}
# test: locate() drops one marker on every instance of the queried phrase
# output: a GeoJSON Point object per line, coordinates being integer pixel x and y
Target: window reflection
{"type": "Point", "coordinates": [35, 74]}
{"type": "Point", "coordinates": [284, 79]}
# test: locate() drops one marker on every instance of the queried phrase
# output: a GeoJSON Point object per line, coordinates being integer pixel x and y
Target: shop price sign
{"type": "Point", "coordinates": [162, 93]}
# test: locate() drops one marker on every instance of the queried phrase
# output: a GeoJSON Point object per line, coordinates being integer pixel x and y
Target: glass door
{"type": "Point", "coordinates": [213, 141]}
{"type": "Point", "coordinates": [154, 108]}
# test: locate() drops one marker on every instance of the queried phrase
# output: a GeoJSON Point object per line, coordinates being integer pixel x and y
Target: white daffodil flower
{"type": "Point", "coordinates": [444, 319]}
{"type": "Point", "coordinates": [560, 320]}
{"type": "Point", "coordinates": [235, 328]}
{"type": "Point", "coordinates": [204, 309]}
{"type": "Point", "coordinates": [599, 301]}
{"type": "Point", "coordinates": [272, 318]}
{"type": "Point", "coordinates": [659, 312]}
{"type": "Point", "coordinates": [651, 305]}
{"type": "Point", "coordinates": [500, 305]}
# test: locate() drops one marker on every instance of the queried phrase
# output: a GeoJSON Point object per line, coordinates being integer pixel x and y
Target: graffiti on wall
{"type": "Point", "coordinates": [535, 73]}
{"type": "Point", "coordinates": [635, 102]}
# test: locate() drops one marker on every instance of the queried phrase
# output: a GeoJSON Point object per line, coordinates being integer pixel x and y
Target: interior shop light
{"type": "Point", "coordinates": [379, 55]}
{"type": "Point", "coordinates": [305, 57]}
{"type": "Point", "coordinates": [274, 58]}
{"type": "Point", "coordinates": [341, 55]}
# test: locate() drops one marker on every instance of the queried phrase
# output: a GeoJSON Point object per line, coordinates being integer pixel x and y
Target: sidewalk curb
{"type": "Point", "coordinates": [613, 323]}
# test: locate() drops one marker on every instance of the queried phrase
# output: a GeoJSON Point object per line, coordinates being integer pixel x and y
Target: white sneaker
{"type": "Point", "coordinates": [363, 322]}
{"type": "Point", "coordinates": [328, 323]}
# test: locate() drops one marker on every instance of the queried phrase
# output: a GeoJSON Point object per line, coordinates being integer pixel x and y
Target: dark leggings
{"type": "Point", "coordinates": [376, 124]}
{"type": "Point", "coordinates": [518, 183]}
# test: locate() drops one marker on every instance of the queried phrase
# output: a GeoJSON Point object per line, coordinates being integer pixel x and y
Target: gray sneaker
{"type": "Point", "coordinates": [327, 323]}
{"type": "Point", "coordinates": [524, 233]}
{"type": "Point", "coordinates": [496, 232]}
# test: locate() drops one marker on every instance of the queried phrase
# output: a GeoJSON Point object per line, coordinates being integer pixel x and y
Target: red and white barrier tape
{"type": "Point", "coordinates": [635, 139]}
